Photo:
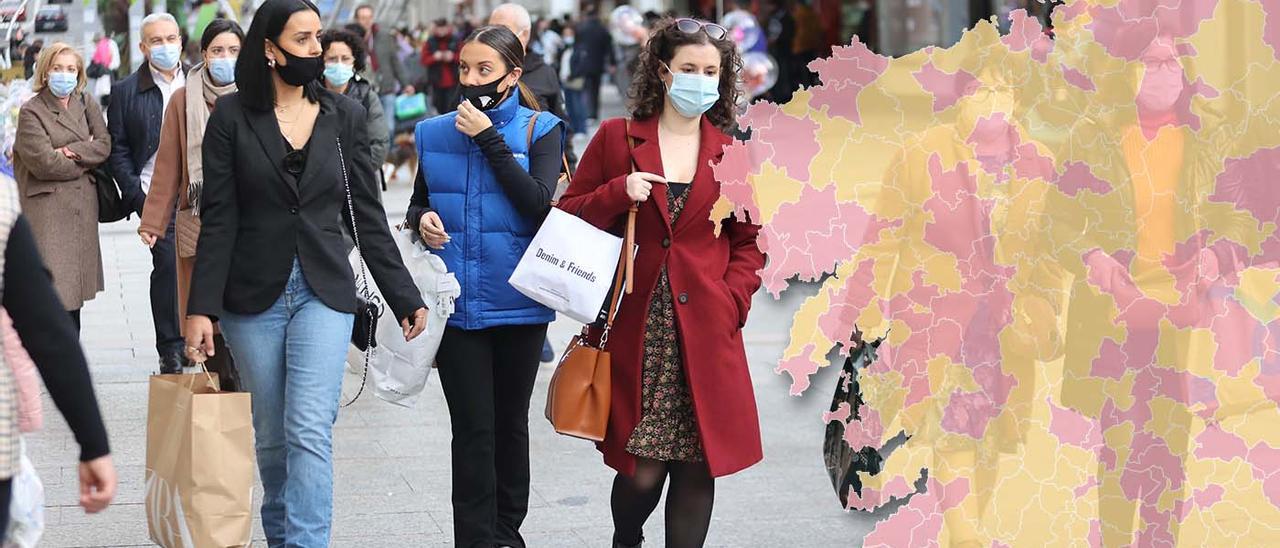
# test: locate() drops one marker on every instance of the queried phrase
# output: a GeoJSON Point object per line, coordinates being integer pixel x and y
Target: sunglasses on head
{"type": "Point", "coordinates": [692, 26]}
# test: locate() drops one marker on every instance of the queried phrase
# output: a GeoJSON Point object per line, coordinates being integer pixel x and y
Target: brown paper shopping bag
{"type": "Point", "coordinates": [200, 463]}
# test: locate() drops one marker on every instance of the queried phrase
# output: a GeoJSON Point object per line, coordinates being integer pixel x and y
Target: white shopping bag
{"type": "Point", "coordinates": [398, 370]}
{"type": "Point", "coordinates": [569, 266]}
{"type": "Point", "coordinates": [26, 507]}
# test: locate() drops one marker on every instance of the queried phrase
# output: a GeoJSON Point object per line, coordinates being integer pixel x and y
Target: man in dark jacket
{"type": "Point", "coordinates": [133, 119]}
{"type": "Point", "coordinates": [595, 45]}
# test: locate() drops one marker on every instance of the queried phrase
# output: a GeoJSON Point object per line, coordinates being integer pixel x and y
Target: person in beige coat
{"type": "Point", "coordinates": [179, 172]}
{"type": "Point", "coordinates": [62, 137]}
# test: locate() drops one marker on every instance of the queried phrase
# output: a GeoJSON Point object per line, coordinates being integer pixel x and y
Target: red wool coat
{"type": "Point", "coordinates": [712, 281]}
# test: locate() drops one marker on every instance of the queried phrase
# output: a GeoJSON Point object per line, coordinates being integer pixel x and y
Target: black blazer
{"type": "Point", "coordinates": [256, 216]}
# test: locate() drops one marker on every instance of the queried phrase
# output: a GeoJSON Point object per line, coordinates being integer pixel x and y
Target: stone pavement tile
{"type": "Point", "coordinates": [369, 477]}
{"type": "Point", "coordinates": [373, 526]}
{"type": "Point", "coordinates": [119, 525]}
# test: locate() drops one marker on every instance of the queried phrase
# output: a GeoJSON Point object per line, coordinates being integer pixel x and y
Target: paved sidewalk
{"type": "Point", "coordinates": [392, 464]}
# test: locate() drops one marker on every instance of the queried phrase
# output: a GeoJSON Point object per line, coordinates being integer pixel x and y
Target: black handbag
{"type": "Point", "coordinates": [368, 306]}
{"type": "Point", "coordinates": [111, 206]}
{"type": "Point", "coordinates": [844, 462]}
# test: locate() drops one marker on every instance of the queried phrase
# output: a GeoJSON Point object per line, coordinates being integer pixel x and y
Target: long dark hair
{"type": "Point", "coordinates": [508, 46]}
{"type": "Point", "coordinates": [648, 93]}
{"type": "Point", "coordinates": [216, 28]}
{"type": "Point", "coordinates": [253, 76]}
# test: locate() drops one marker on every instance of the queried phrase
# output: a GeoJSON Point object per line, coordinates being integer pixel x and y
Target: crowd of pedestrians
{"type": "Point", "coordinates": [256, 169]}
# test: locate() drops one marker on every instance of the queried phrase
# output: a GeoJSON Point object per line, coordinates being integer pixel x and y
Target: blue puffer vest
{"type": "Point", "coordinates": [489, 236]}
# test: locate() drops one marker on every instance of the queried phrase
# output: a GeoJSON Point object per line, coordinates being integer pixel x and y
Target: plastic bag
{"type": "Point", "coordinates": [26, 507]}
{"type": "Point", "coordinates": [398, 370]}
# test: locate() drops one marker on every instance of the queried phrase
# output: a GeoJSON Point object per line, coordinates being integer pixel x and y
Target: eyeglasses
{"type": "Point", "coordinates": [295, 161]}
{"type": "Point", "coordinates": [692, 26]}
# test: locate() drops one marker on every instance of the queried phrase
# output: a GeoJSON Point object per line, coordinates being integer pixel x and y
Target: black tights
{"type": "Point", "coordinates": [689, 501]}
{"type": "Point", "coordinates": [75, 318]}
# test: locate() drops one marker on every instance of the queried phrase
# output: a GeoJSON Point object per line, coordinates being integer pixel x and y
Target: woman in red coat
{"type": "Point", "coordinates": [682, 402]}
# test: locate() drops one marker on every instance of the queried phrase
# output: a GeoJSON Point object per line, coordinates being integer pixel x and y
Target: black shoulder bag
{"type": "Point", "coordinates": [368, 306]}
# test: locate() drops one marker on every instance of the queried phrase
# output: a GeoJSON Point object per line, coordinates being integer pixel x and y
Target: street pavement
{"type": "Point", "coordinates": [392, 465]}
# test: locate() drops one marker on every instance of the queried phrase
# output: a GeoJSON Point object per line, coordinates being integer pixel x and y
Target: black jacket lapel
{"type": "Point", "coordinates": [322, 150]}
{"type": "Point", "coordinates": [264, 126]}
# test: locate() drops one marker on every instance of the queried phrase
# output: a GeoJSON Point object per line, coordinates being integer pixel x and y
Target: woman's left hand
{"type": "Point", "coordinates": [416, 327]}
{"type": "Point", "coordinates": [471, 120]}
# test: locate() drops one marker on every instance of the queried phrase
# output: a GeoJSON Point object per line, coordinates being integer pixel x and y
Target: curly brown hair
{"type": "Point", "coordinates": [648, 93]}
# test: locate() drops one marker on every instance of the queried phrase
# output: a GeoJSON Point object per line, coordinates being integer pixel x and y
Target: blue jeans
{"type": "Point", "coordinates": [291, 358]}
{"type": "Point", "coordinates": [389, 112]}
{"type": "Point", "coordinates": [576, 110]}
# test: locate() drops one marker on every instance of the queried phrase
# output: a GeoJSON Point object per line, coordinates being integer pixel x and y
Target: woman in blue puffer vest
{"type": "Point", "coordinates": [486, 178]}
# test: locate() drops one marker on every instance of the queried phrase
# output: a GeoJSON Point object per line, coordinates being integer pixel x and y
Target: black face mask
{"type": "Point", "coordinates": [300, 70]}
{"type": "Point", "coordinates": [484, 96]}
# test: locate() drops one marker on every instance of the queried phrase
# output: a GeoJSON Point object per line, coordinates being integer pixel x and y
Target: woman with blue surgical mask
{"type": "Point", "coordinates": [682, 405]}
{"type": "Point", "coordinates": [344, 63]}
{"type": "Point", "coordinates": [61, 138]}
{"type": "Point", "coordinates": [178, 178]}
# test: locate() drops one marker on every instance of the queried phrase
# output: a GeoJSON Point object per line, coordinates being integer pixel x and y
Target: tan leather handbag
{"type": "Point", "coordinates": [579, 396]}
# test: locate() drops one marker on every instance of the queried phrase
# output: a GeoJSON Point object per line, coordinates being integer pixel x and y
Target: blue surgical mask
{"type": "Point", "coordinates": [165, 56]}
{"type": "Point", "coordinates": [338, 74]}
{"type": "Point", "coordinates": [223, 70]}
{"type": "Point", "coordinates": [693, 94]}
{"type": "Point", "coordinates": [63, 83]}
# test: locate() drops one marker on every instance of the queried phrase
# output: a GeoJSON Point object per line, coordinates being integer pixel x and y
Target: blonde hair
{"type": "Point", "coordinates": [40, 79]}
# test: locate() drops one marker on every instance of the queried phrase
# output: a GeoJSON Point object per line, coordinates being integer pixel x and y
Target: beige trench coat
{"type": "Point", "coordinates": [57, 193]}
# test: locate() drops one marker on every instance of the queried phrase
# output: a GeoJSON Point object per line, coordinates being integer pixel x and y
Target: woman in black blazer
{"type": "Point", "coordinates": [284, 159]}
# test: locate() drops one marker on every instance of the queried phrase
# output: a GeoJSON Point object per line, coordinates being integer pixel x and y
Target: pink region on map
{"type": "Point", "coordinates": [1072, 428]}
{"type": "Point", "coordinates": [810, 236]}
{"type": "Point", "coordinates": [1077, 176]}
{"type": "Point", "coordinates": [848, 71]}
{"type": "Point", "coordinates": [968, 413]}
{"type": "Point", "coordinates": [847, 302]}
{"type": "Point", "coordinates": [1088, 485]}
{"type": "Point", "coordinates": [1209, 496]}
{"type": "Point", "coordinates": [1216, 443]}
{"type": "Point", "coordinates": [867, 431]}
{"type": "Point", "coordinates": [1152, 469]}
{"type": "Point", "coordinates": [1078, 79]}
{"type": "Point", "coordinates": [946, 87]}
{"type": "Point", "coordinates": [841, 414]}
{"type": "Point", "coordinates": [1095, 526]}
{"type": "Point", "coordinates": [792, 142]}
{"type": "Point", "coordinates": [1127, 28]}
{"type": "Point", "coordinates": [1026, 32]}
{"type": "Point", "coordinates": [740, 161]}
{"type": "Point", "coordinates": [1238, 184]}
{"type": "Point", "coordinates": [800, 368]}
{"type": "Point", "coordinates": [871, 498]}
{"type": "Point", "coordinates": [919, 522]}
{"type": "Point", "coordinates": [1271, 25]}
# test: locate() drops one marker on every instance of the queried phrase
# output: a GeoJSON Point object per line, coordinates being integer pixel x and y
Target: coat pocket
{"type": "Point", "coordinates": [38, 188]}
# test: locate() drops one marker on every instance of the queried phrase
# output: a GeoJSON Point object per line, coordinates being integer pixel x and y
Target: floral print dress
{"type": "Point", "coordinates": [668, 429]}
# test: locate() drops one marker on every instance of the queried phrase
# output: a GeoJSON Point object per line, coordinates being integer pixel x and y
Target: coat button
{"type": "Point", "coordinates": [666, 242]}
{"type": "Point", "coordinates": [684, 297]}
{"type": "Point", "coordinates": [293, 211]}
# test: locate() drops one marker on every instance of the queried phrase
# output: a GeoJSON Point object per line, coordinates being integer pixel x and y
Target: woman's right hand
{"type": "Point", "coordinates": [640, 185]}
{"type": "Point", "coordinates": [431, 228]}
{"type": "Point", "coordinates": [148, 239]}
{"type": "Point", "coordinates": [199, 338]}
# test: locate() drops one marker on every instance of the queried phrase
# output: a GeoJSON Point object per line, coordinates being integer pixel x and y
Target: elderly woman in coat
{"type": "Point", "coordinates": [61, 138]}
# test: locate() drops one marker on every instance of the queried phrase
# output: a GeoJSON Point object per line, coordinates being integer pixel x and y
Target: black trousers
{"type": "Point", "coordinates": [591, 89]}
{"type": "Point", "coordinates": [488, 377]}
{"type": "Point", "coordinates": [6, 494]}
{"type": "Point", "coordinates": [164, 295]}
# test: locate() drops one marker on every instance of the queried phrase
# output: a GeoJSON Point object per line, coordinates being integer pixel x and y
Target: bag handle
{"type": "Point", "coordinates": [564, 158]}
{"type": "Point", "coordinates": [364, 279]}
{"type": "Point", "coordinates": [623, 277]}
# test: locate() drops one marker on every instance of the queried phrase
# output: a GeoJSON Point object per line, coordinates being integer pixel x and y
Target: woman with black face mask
{"type": "Point", "coordinates": [286, 165]}
{"type": "Point", "coordinates": [480, 211]}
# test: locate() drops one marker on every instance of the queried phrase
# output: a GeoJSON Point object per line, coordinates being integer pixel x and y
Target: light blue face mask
{"type": "Point", "coordinates": [223, 70]}
{"type": "Point", "coordinates": [693, 94]}
{"type": "Point", "coordinates": [338, 74]}
{"type": "Point", "coordinates": [63, 83]}
{"type": "Point", "coordinates": [165, 56]}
